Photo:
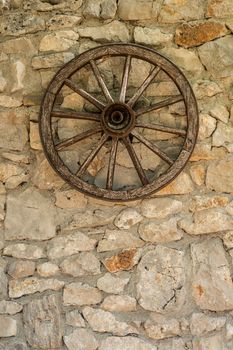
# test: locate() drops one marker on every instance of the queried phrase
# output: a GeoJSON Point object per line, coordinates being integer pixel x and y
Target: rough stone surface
{"type": "Point", "coordinates": [74, 318]}
{"type": "Point", "coordinates": [207, 202]}
{"type": "Point", "coordinates": [222, 8]}
{"type": "Point", "coordinates": [70, 199]}
{"type": "Point", "coordinates": [8, 326]}
{"type": "Point", "coordinates": [160, 232]}
{"type": "Point", "coordinates": [30, 204]}
{"type": "Point", "coordinates": [150, 36]}
{"type": "Point", "coordinates": [104, 321]}
{"type": "Point", "coordinates": [215, 56]}
{"type": "Point", "coordinates": [139, 10]}
{"type": "Point", "coordinates": [10, 307]}
{"type": "Point", "coordinates": [3, 279]}
{"type": "Point", "coordinates": [70, 244]}
{"type": "Point", "coordinates": [212, 284]}
{"type": "Point", "coordinates": [125, 260]}
{"type": "Point", "coordinates": [194, 34]}
{"type": "Point", "coordinates": [119, 239]}
{"type": "Point", "coordinates": [42, 320]}
{"type": "Point", "coordinates": [119, 303]}
{"type": "Point", "coordinates": [21, 268]}
{"type": "Point", "coordinates": [81, 294]}
{"type": "Point", "coordinates": [83, 264]}
{"type": "Point", "coordinates": [219, 176]}
{"type": "Point", "coordinates": [159, 208]}
{"type": "Point", "coordinates": [206, 221]}
{"type": "Point", "coordinates": [114, 31]}
{"type": "Point", "coordinates": [112, 284]}
{"type": "Point", "coordinates": [24, 251]}
{"type": "Point", "coordinates": [31, 285]}
{"type": "Point", "coordinates": [59, 41]}
{"type": "Point", "coordinates": [127, 218]}
{"type": "Point", "coordinates": [201, 324]}
{"type": "Point", "coordinates": [161, 279]}
{"type": "Point", "coordinates": [163, 329]}
{"type": "Point", "coordinates": [47, 269]}
{"type": "Point", "coordinates": [81, 339]}
{"type": "Point", "coordinates": [92, 218]}
{"type": "Point", "coordinates": [51, 60]}
{"type": "Point", "coordinates": [223, 136]}
{"type": "Point", "coordinates": [129, 343]}
{"type": "Point", "coordinates": [182, 184]}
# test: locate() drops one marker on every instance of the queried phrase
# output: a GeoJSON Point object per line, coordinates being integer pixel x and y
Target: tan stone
{"type": "Point", "coordinates": [212, 284]}
{"type": "Point", "coordinates": [8, 326]}
{"type": "Point", "coordinates": [149, 36]}
{"type": "Point", "coordinates": [162, 328]}
{"type": "Point", "coordinates": [202, 324]}
{"type": "Point", "coordinates": [74, 318]}
{"type": "Point", "coordinates": [81, 294]}
{"type": "Point", "coordinates": [228, 239]}
{"type": "Point", "coordinates": [220, 112]}
{"type": "Point", "coordinates": [204, 151]}
{"type": "Point", "coordinates": [177, 11]}
{"type": "Point", "coordinates": [198, 173]}
{"type": "Point", "coordinates": [73, 101]}
{"type": "Point", "coordinates": [159, 208]}
{"type": "Point", "coordinates": [10, 307]}
{"type": "Point", "coordinates": [180, 185]}
{"type": "Point", "coordinates": [206, 88]}
{"type": "Point", "coordinates": [108, 9]}
{"type": "Point", "coordinates": [83, 264]}
{"type": "Point", "coordinates": [18, 46]}
{"type": "Point", "coordinates": [24, 251]}
{"type": "Point", "coordinates": [59, 41]}
{"type": "Point", "coordinates": [81, 339]}
{"type": "Point", "coordinates": [119, 239]}
{"type": "Point", "coordinates": [8, 169]}
{"type": "Point", "coordinates": [138, 10]}
{"type": "Point", "coordinates": [194, 34]}
{"type": "Point", "coordinates": [52, 60]}
{"type": "Point", "coordinates": [92, 218]}
{"type": "Point", "coordinates": [104, 321]}
{"type": "Point", "coordinates": [119, 303]}
{"type": "Point", "coordinates": [114, 31]}
{"type": "Point", "coordinates": [47, 269]}
{"type": "Point", "coordinates": [70, 199]}
{"type": "Point", "coordinates": [125, 260]}
{"type": "Point", "coordinates": [160, 232]}
{"type": "Point", "coordinates": [222, 8]}
{"type": "Point", "coordinates": [21, 268]}
{"type": "Point", "coordinates": [212, 342]}
{"type": "Point", "coordinates": [31, 285]}
{"type": "Point", "coordinates": [219, 176]}
{"type": "Point", "coordinates": [207, 202]}
{"type": "Point", "coordinates": [10, 101]}
{"type": "Point", "coordinates": [35, 141]}
{"type": "Point", "coordinates": [127, 218]}
{"type": "Point", "coordinates": [112, 284]}
{"type": "Point", "coordinates": [223, 135]}
{"type": "Point", "coordinates": [126, 343]}
{"type": "Point", "coordinates": [206, 127]}
{"type": "Point", "coordinates": [3, 82]}
{"type": "Point", "coordinates": [18, 158]}
{"type": "Point", "coordinates": [63, 21]}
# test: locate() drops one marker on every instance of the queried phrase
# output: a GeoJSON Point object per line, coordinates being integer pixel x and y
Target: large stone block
{"type": "Point", "coordinates": [136, 10]}
{"type": "Point", "coordinates": [173, 11]}
{"type": "Point", "coordinates": [219, 176]}
{"type": "Point", "coordinates": [114, 31]}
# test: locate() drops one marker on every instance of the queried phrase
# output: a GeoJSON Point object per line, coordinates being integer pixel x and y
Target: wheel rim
{"type": "Point", "coordinates": [118, 121]}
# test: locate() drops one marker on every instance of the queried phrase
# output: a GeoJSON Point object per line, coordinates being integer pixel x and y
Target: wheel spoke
{"type": "Point", "coordinates": [125, 78]}
{"type": "Point", "coordinates": [169, 101]}
{"type": "Point", "coordinates": [111, 164]}
{"type": "Point", "coordinates": [152, 147]}
{"type": "Point", "coordinates": [162, 128]}
{"type": "Point", "coordinates": [91, 156]}
{"type": "Point", "coordinates": [77, 138]}
{"type": "Point", "coordinates": [69, 114]}
{"type": "Point", "coordinates": [135, 160]}
{"type": "Point", "coordinates": [143, 87]}
{"type": "Point", "coordinates": [101, 81]}
{"type": "Point", "coordinates": [84, 94]}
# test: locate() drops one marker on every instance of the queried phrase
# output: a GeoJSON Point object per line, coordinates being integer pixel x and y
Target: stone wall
{"type": "Point", "coordinates": [80, 273]}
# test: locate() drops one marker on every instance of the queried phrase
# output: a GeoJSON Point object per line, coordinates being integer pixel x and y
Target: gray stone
{"type": "Point", "coordinates": [83, 264]}
{"type": "Point", "coordinates": [92, 9]}
{"type": "Point", "coordinates": [175, 344]}
{"type": "Point", "coordinates": [81, 339]}
{"type": "Point", "coordinates": [13, 131]}
{"type": "Point", "coordinates": [52, 60]}
{"type": "Point", "coordinates": [74, 318]}
{"type": "Point", "coordinates": [104, 321]}
{"type": "Point", "coordinates": [159, 208]}
{"type": "Point", "coordinates": [63, 21]}
{"type": "Point", "coordinates": [108, 9]}
{"type": "Point", "coordinates": [202, 324]}
{"type": "Point", "coordinates": [31, 285]}
{"type": "Point", "coordinates": [219, 176]}
{"type": "Point", "coordinates": [148, 36]}
{"type": "Point", "coordinates": [212, 284]}
{"type": "Point", "coordinates": [8, 326]}
{"type": "Point", "coordinates": [30, 204]}
{"type": "Point", "coordinates": [21, 268]}
{"type": "Point", "coordinates": [24, 251]}
{"type": "Point", "coordinates": [112, 284]}
{"type": "Point", "coordinates": [127, 218]}
{"type": "Point", "coordinates": [114, 31]}
{"type": "Point", "coordinates": [92, 218]}
{"type": "Point", "coordinates": [119, 239]}
{"type": "Point", "coordinates": [223, 135]}
{"type": "Point", "coordinates": [70, 244]}
{"type": "Point", "coordinates": [160, 232]}
{"type": "Point", "coordinates": [215, 342]}
{"type": "Point", "coordinates": [160, 280]}
{"type": "Point", "coordinates": [119, 303]}
{"type": "Point", "coordinates": [216, 56]}
{"type": "Point", "coordinates": [10, 307]}
{"type": "Point", "coordinates": [206, 221]}
{"type": "Point", "coordinates": [59, 41]}
{"type": "Point", "coordinates": [42, 323]}
{"type": "Point", "coordinates": [3, 279]}
{"type": "Point", "coordinates": [126, 343]}
{"type": "Point", "coordinates": [81, 294]}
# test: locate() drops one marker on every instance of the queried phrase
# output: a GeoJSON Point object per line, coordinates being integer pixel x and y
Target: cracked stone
{"type": "Point", "coordinates": [74, 318]}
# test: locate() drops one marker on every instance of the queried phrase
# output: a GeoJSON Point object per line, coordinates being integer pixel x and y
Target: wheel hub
{"type": "Point", "coordinates": [118, 119]}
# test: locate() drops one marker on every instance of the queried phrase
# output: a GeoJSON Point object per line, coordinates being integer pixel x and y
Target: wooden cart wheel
{"type": "Point", "coordinates": [119, 122]}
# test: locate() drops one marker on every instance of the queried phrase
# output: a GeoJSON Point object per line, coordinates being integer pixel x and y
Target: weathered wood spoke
{"type": "Point", "coordinates": [135, 160]}
{"type": "Point", "coordinates": [143, 87]}
{"type": "Point", "coordinates": [125, 78]}
{"type": "Point", "coordinates": [84, 94]}
{"type": "Point", "coordinates": [70, 114]}
{"type": "Point", "coordinates": [152, 147]}
{"type": "Point", "coordinates": [91, 156]}
{"type": "Point", "coordinates": [111, 164]}
{"type": "Point", "coordinates": [169, 101]}
{"type": "Point", "coordinates": [162, 128]}
{"type": "Point", "coordinates": [72, 140]}
{"type": "Point", "coordinates": [101, 81]}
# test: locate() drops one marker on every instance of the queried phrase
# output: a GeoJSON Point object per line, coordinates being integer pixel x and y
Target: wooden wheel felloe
{"type": "Point", "coordinates": [120, 121]}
